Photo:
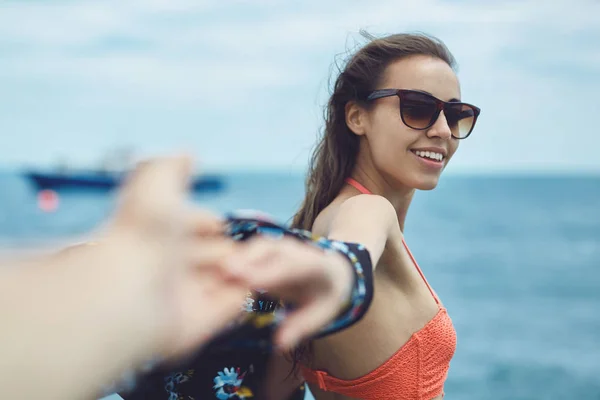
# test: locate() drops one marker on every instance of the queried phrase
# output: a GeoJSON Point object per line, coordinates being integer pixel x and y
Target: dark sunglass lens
{"type": "Point", "coordinates": [417, 110]}
{"type": "Point", "coordinates": [460, 119]}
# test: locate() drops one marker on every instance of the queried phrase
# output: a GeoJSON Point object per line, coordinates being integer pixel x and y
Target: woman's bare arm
{"type": "Point", "coordinates": [366, 219]}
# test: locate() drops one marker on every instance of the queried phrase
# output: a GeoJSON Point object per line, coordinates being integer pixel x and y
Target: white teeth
{"type": "Point", "coordinates": [430, 154]}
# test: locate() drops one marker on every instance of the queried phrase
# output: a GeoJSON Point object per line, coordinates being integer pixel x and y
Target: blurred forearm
{"type": "Point", "coordinates": [61, 335]}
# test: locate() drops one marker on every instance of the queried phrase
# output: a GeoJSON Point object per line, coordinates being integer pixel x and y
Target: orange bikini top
{"type": "Point", "coordinates": [417, 371]}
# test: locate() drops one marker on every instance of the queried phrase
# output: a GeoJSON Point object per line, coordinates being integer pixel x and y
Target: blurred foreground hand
{"type": "Point", "coordinates": [169, 243]}
{"type": "Point", "coordinates": [74, 322]}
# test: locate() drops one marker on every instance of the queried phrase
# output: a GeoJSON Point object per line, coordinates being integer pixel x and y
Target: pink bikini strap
{"type": "Point", "coordinates": [364, 190]}
{"type": "Point", "coordinates": [358, 186]}
{"type": "Point", "coordinates": [420, 272]}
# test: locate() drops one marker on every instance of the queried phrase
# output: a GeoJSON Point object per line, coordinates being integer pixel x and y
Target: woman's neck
{"type": "Point", "coordinates": [400, 198]}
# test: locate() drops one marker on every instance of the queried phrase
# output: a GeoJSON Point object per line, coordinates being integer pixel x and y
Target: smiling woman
{"type": "Point", "coordinates": [393, 122]}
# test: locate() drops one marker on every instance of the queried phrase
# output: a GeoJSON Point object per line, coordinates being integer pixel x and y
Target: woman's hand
{"type": "Point", "coordinates": [317, 283]}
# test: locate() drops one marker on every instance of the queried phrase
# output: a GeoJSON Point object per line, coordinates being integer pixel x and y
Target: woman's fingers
{"type": "Point", "coordinates": [295, 264]}
{"type": "Point", "coordinates": [203, 223]}
{"type": "Point", "coordinates": [250, 257]}
{"type": "Point", "coordinates": [279, 273]}
{"type": "Point", "coordinates": [317, 283]}
{"type": "Point", "coordinates": [305, 321]}
{"type": "Point", "coordinates": [207, 254]}
{"type": "Point", "coordinates": [205, 305]}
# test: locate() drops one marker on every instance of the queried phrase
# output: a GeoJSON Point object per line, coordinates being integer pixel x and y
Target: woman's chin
{"type": "Point", "coordinates": [425, 182]}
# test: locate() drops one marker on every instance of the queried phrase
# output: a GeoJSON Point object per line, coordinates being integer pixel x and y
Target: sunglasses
{"type": "Point", "coordinates": [420, 110]}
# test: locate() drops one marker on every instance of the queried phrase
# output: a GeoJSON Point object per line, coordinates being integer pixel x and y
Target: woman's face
{"type": "Point", "coordinates": [403, 156]}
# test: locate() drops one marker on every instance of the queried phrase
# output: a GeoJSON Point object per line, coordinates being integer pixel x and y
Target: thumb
{"type": "Point", "coordinates": [171, 173]}
{"type": "Point", "coordinates": [154, 188]}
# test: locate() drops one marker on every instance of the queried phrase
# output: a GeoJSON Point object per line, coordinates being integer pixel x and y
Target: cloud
{"type": "Point", "coordinates": [172, 33]}
{"type": "Point", "coordinates": [262, 65]}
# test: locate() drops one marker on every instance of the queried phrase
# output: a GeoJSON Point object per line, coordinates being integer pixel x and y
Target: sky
{"type": "Point", "coordinates": [241, 84]}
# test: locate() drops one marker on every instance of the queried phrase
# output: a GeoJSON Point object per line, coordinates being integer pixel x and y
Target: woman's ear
{"type": "Point", "coordinates": [355, 118]}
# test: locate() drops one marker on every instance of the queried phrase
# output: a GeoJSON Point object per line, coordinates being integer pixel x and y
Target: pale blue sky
{"type": "Point", "coordinates": [241, 83]}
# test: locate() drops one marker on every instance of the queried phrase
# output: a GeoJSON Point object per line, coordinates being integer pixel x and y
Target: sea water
{"type": "Point", "coordinates": [515, 259]}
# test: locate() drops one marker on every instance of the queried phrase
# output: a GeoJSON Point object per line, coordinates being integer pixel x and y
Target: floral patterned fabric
{"type": "Point", "coordinates": [234, 364]}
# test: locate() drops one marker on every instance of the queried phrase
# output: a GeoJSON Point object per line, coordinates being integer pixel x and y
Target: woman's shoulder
{"type": "Point", "coordinates": [364, 209]}
{"type": "Point", "coordinates": [372, 204]}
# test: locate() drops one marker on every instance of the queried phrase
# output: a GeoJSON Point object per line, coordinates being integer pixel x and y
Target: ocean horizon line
{"type": "Point", "coordinates": [296, 172]}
